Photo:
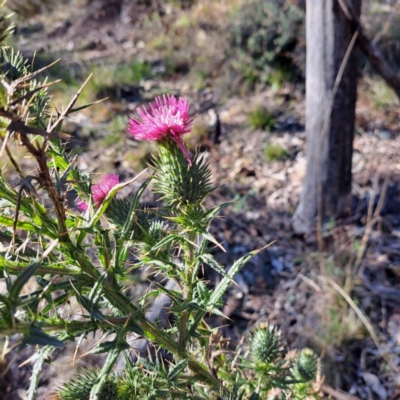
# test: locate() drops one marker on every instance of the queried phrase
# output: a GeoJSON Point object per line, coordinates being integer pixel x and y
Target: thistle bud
{"type": "Point", "coordinates": [305, 366]}
{"type": "Point", "coordinates": [266, 343]}
{"type": "Point", "coordinates": [80, 385]}
{"type": "Point", "coordinates": [179, 183]}
{"type": "Point", "coordinates": [118, 211]}
{"type": "Point", "coordinates": [109, 391]}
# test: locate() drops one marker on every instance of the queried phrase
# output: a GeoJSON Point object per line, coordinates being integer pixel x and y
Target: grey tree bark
{"type": "Point", "coordinates": [328, 177]}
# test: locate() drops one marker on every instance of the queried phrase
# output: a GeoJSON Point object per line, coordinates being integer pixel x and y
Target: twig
{"type": "Point", "coordinates": [372, 219]}
{"type": "Point", "coordinates": [33, 74]}
{"type": "Point", "coordinates": [26, 184]}
{"type": "Point", "coordinates": [70, 105]}
{"type": "Point", "coordinates": [338, 394]}
{"type": "Point", "coordinates": [370, 50]}
{"type": "Point", "coordinates": [237, 354]}
{"type": "Point", "coordinates": [309, 282]}
{"type": "Point", "coordinates": [17, 125]}
{"type": "Point", "coordinates": [32, 92]}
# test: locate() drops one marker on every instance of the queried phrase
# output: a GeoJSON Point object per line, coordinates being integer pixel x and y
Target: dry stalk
{"type": "Point", "coordinates": [70, 105]}
{"type": "Point", "coordinates": [372, 218]}
{"type": "Point", "coordinates": [364, 320]}
{"type": "Point", "coordinates": [39, 152]}
{"type": "Point", "coordinates": [337, 394]}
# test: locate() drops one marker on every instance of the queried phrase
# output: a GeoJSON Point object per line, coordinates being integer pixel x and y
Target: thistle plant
{"type": "Point", "coordinates": [86, 255]}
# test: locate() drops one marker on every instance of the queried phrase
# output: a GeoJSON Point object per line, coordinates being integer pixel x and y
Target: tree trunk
{"type": "Point", "coordinates": [327, 183]}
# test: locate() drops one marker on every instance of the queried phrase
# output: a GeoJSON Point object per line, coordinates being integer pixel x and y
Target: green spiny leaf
{"type": "Point", "coordinates": [177, 369]}
{"type": "Point", "coordinates": [21, 280]}
{"type": "Point", "coordinates": [223, 286]}
{"type": "Point", "coordinates": [112, 357]}
{"type": "Point", "coordinates": [23, 225]}
{"type": "Point", "coordinates": [203, 292]}
{"type": "Point", "coordinates": [37, 336]}
{"type": "Point", "coordinates": [221, 289]}
{"type": "Point", "coordinates": [134, 206]}
{"type": "Point", "coordinates": [42, 357]}
{"type": "Point", "coordinates": [58, 301]}
{"type": "Point", "coordinates": [185, 305]}
{"type": "Point", "coordinates": [87, 304]}
{"type": "Point", "coordinates": [212, 262]}
{"type": "Point", "coordinates": [168, 240]}
{"type": "Point", "coordinates": [107, 346]}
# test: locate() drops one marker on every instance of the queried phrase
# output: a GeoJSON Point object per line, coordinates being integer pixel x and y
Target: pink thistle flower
{"type": "Point", "coordinates": [166, 117]}
{"type": "Point", "coordinates": [100, 191]}
{"type": "Point", "coordinates": [82, 205]}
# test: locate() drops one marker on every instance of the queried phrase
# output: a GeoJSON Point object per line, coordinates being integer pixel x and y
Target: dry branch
{"type": "Point", "coordinates": [370, 50]}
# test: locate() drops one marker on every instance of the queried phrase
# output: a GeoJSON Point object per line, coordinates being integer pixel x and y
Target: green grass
{"type": "Point", "coordinates": [108, 80]}
{"type": "Point", "coordinates": [275, 152]}
{"type": "Point", "coordinates": [261, 118]}
{"type": "Point", "coordinates": [382, 95]}
{"type": "Point", "coordinates": [112, 78]}
{"type": "Point", "coordinates": [116, 131]}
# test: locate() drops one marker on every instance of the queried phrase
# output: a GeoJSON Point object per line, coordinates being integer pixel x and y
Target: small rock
{"type": "Point", "coordinates": [375, 385]}
{"type": "Point", "coordinates": [277, 264]}
{"type": "Point", "coordinates": [384, 134]}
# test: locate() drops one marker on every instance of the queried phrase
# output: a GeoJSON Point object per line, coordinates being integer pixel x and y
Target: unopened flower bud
{"type": "Point", "coordinates": [305, 366]}
{"type": "Point", "coordinates": [266, 344]}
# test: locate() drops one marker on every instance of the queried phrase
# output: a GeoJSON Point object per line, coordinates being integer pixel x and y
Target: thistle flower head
{"type": "Point", "coordinates": [179, 184]}
{"type": "Point", "coordinates": [265, 343]}
{"type": "Point", "coordinates": [166, 117]}
{"type": "Point", "coordinates": [305, 366]}
{"type": "Point", "coordinates": [82, 205]}
{"type": "Point", "coordinates": [100, 191]}
{"type": "Point", "coordinates": [79, 386]}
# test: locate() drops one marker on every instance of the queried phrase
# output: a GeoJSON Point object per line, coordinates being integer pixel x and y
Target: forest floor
{"type": "Point", "coordinates": [342, 300]}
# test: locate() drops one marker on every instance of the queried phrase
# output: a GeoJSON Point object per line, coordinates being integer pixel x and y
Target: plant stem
{"type": "Point", "coordinates": [188, 290]}
{"type": "Point", "coordinates": [108, 366]}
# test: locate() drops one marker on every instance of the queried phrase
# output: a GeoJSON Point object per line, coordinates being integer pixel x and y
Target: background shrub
{"type": "Point", "coordinates": [268, 37]}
